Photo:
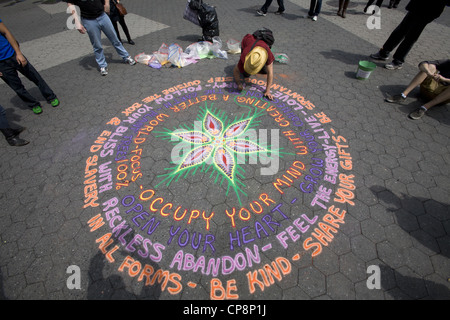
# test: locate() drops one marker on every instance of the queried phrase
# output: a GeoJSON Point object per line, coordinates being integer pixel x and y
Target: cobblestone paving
{"type": "Point", "coordinates": [307, 231]}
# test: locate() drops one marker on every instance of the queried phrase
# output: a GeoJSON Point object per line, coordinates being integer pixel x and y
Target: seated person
{"type": "Point", "coordinates": [256, 57]}
{"type": "Point", "coordinates": [434, 81]}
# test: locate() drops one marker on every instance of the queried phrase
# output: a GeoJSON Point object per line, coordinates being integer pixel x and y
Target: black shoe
{"type": "Point", "coordinates": [131, 42]}
{"type": "Point", "coordinates": [17, 141]}
{"type": "Point", "coordinates": [12, 137]}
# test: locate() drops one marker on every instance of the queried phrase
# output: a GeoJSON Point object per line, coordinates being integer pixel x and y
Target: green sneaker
{"type": "Point", "coordinates": [54, 102]}
{"type": "Point", "coordinates": [37, 109]}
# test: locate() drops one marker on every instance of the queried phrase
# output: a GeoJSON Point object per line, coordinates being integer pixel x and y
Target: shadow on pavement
{"type": "Point", "coordinates": [430, 212]}
{"type": "Point", "coordinates": [113, 287]}
{"type": "Point", "coordinates": [401, 287]}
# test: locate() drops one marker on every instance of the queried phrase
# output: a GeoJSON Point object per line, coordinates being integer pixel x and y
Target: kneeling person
{"type": "Point", "coordinates": [256, 57]}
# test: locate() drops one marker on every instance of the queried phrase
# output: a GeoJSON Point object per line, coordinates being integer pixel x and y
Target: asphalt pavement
{"type": "Point", "coordinates": [326, 192]}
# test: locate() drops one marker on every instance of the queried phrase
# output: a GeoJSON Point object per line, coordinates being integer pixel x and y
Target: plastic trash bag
{"type": "Point", "coordinates": [162, 55]}
{"type": "Point", "coordinates": [202, 49]}
{"type": "Point", "coordinates": [216, 49]}
{"type": "Point", "coordinates": [176, 56]}
{"type": "Point", "coordinates": [209, 22]}
{"type": "Point", "coordinates": [143, 58]}
{"type": "Point", "coordinates": [234, 46]}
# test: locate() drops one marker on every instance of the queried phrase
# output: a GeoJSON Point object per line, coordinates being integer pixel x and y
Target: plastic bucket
{"type": "Point", "coordinates": [365, 68]}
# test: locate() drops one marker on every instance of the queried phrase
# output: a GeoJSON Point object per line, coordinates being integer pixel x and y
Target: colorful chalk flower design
{"type": "Point", "coordinates": [216, 145]}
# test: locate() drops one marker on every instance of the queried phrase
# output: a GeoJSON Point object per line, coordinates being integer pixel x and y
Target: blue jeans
{"type": "Point", "coordinates": [94, 28]}
{"type": "Point", "coordinates": [315, 7]}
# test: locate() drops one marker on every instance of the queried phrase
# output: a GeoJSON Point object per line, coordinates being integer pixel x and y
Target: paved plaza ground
{"type": "Point", "coordinates": [343, 196]}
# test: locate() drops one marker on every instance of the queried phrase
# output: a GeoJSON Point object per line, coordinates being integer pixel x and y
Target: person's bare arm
{"type": "Point", "coordinates": [9, 36]}
{"type": "Point", "coordinates": [78, 25]}
{"type": "Point", "coordinates": [433, 72]}
{"type": "Point", "coordinates": [107, 7]}
{"type": "Point", "coordinates": [267, 93]}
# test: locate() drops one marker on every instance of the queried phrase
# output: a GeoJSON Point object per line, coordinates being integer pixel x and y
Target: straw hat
{"type": "Point", "coordinates": [255, 60]}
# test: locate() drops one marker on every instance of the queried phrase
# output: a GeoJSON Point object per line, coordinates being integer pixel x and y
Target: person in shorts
{"type": "Point", "coordinates": [434, 81]}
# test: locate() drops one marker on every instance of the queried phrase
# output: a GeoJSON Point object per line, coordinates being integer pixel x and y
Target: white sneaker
{"type": "Point", "coordinates": [314, 18]}
{"type": "Point", "coordinates": [130, 61]}
{"type": "Point", "coordinates": [103, 71]}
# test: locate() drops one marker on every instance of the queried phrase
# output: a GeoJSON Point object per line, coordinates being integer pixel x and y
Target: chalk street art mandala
{"type": "Point", "coordinates": [203, 190]}
{"type": "Point", "coordinates": [220, 144]}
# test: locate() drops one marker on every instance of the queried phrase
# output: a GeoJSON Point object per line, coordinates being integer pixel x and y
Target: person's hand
{"type": "Point", "coordinates": [437, 77]}
{"type": "Point", "coordinates": [81, 29]}
{"type": "Point", "coordinates": [268, 95]}
{"type": "Point", "coordinates": [107, 8]}
{"type": "Point", "coordinates": [21, 60]}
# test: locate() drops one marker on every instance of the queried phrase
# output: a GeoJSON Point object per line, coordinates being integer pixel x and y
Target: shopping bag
{"type": "Point", "coordinates": [191, 14]}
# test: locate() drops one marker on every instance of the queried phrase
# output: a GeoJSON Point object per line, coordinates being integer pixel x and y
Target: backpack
{"type": "Point", "coordinates": [266, 35]}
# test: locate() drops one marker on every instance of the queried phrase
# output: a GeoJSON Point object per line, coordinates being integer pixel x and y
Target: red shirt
{"type": "Point", "coordinates": [246, 45]}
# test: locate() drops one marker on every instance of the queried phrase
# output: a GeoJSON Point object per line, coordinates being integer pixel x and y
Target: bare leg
{"type": "Point", "coordinates": [444, 96]}
{"type": "Point", "coordinates": [418, 79]}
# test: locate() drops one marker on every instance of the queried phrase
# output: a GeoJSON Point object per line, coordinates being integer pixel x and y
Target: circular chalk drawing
{"type": "Point", "coordinates": [202, 187]}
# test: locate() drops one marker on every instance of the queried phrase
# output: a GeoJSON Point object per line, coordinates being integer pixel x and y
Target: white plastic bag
{"type": "Point", "coordinates": [176, 56]}
{"type": "Point", "coordinates": [143, 58]}
{"type": "Point", "coordinates": [203, 48]}
{"type": "Point", "coordinates": [162, 54]}
{"type": "Point", "coordinates": [234, 46]}
{"type": "Point", "coordinates": [216, 49]}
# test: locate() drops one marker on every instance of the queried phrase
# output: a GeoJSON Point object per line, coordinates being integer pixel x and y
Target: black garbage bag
{"type": "Point", "coordinates": [195, 4]}
{"type": "Point", "coordinates": [209, 21]}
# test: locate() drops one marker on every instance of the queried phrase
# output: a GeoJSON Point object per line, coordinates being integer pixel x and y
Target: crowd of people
{"type": "Point", "coordinates": [97, 16]}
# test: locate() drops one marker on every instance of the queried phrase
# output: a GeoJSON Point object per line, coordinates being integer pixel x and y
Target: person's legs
{"type": "Point", "coordinates": [93, 29]}
{"type": "Point", "coordinates": [315, 7]}
{"type": "Point", "coordinates": [266, 6]}
{"type": "Point", "coordinates": [413, 33]}
{"type": "Point", "coordinates": [31, 74]}
{"type": "Point", "coordinates": [11, 135]}
{"type": "Point", "coordinates": [125, 28]}
{"type": "Point", "coordinates": [116, 28]}
{"type": "Point", "coordinates": [3, 120]}
{"type": "Point", "coordinates": [281, 6]}
{"type": "Point", "coordinates": [344, 8]}
{"type": "Point", "coordinates": [416, 81]}
{"type": "Point", "coordinates": [9, 68]}
{"type": "Point", "coordinates": [395, 38]}
{"type": "Point", "coordinates": [443, 97]}
{"type": "Point", "coordinates": [108, 29]}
